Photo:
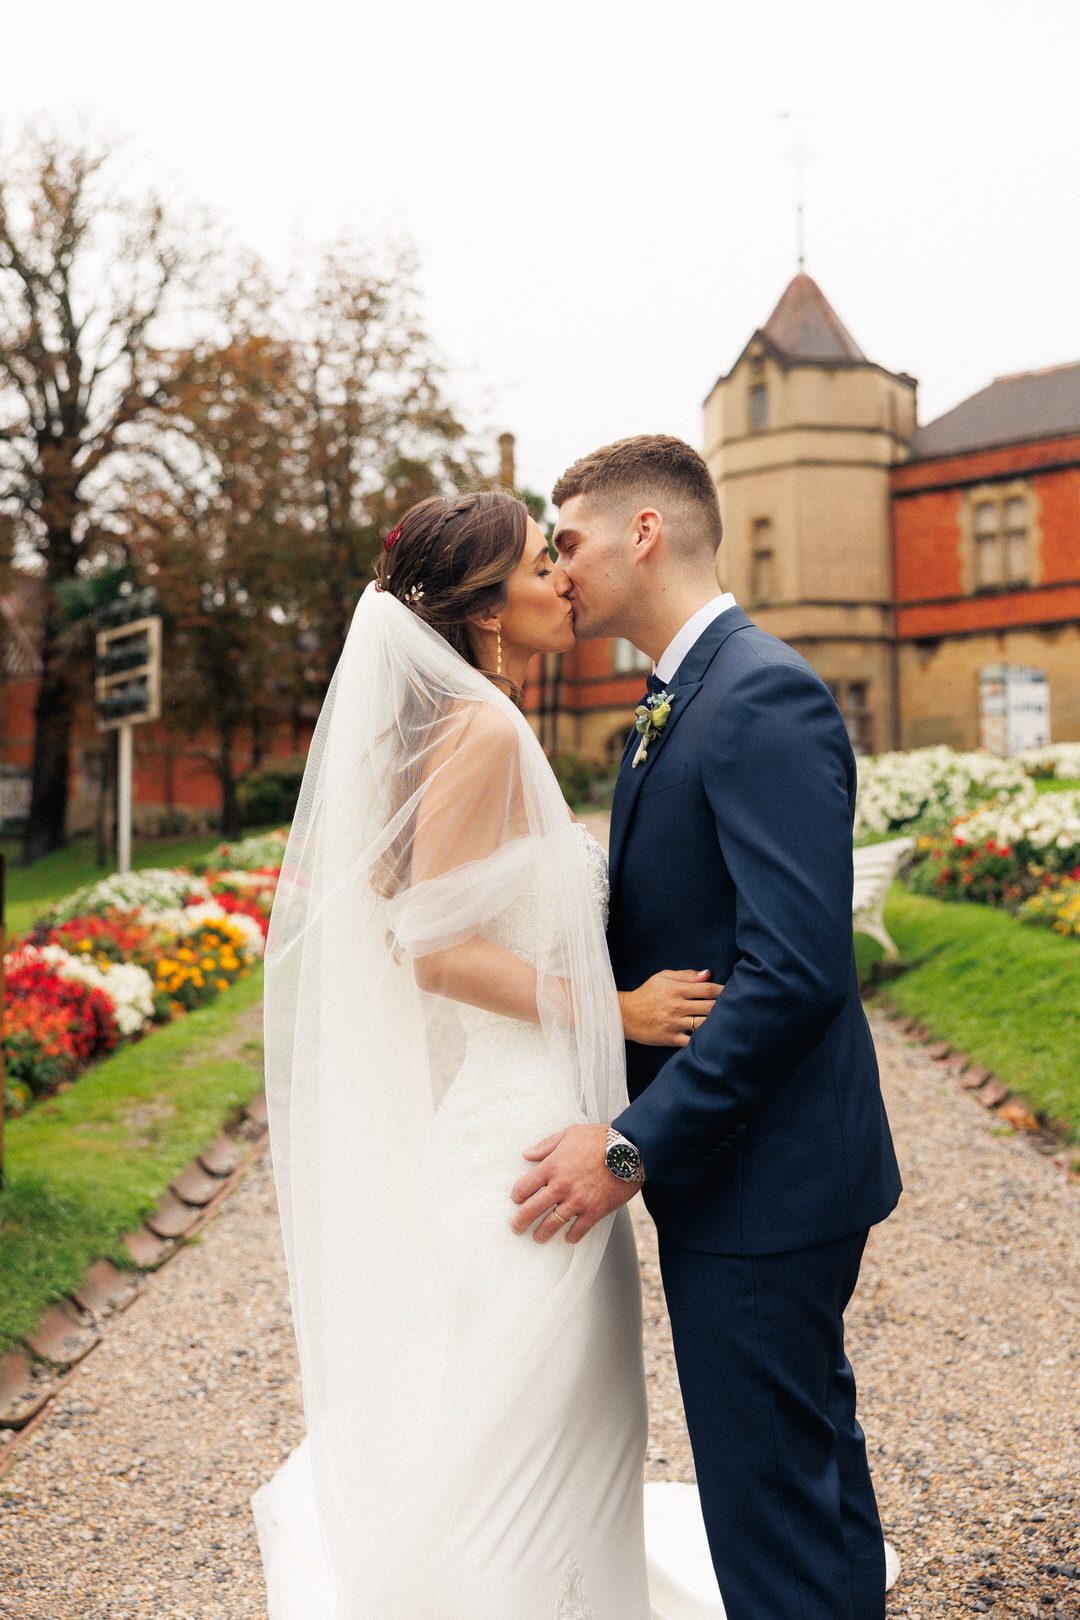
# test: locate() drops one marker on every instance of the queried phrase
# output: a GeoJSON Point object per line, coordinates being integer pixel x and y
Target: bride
{"type": "Point", "coordinates": [438, 996]}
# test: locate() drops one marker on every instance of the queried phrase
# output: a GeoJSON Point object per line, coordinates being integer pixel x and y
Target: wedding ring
{"type": "Point", "coordinates": [693, 1022]}
{"type": "Point", "coordinates": [563, 1220]}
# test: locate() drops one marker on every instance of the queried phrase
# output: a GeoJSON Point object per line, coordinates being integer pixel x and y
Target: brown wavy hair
{"type": "Point", "coordinates": [460, 551]}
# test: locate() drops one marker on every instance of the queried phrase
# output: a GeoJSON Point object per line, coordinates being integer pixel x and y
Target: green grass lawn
{"type": "Point", "coordinates": [31, 888]}
{"type": "Point", "coordinates": [1057, 784]}
{"type": "Point", "coordinates": [1006, 993]}
{"type": "Point", "coordinates": [85, 1166]}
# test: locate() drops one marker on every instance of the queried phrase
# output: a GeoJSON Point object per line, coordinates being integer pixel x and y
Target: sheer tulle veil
{"type": "Point", "coordinates": [427, 808]}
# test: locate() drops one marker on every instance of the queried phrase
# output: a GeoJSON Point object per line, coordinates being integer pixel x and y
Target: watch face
{"type": "Point", "coordinates": [623, 1161]}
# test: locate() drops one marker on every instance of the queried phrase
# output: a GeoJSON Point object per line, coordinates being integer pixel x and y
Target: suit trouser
{"type": "Point", "coordinates": [770, 1404]}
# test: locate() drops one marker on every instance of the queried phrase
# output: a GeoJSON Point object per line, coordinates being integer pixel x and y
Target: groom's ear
{"type": "Point", "coordinates": [646, 527]}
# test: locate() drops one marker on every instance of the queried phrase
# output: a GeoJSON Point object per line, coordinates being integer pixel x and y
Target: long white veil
{"type": "Point", "coordinates": [427, 809]}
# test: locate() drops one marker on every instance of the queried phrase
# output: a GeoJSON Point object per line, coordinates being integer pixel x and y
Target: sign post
{"type": "Point", "coordinates": [127, 691]}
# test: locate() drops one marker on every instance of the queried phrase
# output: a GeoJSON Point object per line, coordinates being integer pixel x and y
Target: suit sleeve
{"type": "Point", "coordinates": [777, 769]}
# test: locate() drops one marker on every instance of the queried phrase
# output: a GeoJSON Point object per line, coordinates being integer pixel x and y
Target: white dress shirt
{"type": "Point", "coordinates": [677, 649]}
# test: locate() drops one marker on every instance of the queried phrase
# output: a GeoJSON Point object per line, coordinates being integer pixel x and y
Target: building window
{"type": "Point", "coordinates": [759, 407]}
{"type": "Point", "coordinates": [762, 563]}
{"type": "Point", "coordinates": [1001, 543]}
{"type": "Point", "coordinates": [853, 701]}
{"type": "Point", "coordinates": [626, 659]}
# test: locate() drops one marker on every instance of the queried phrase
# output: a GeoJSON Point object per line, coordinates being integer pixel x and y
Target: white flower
{"type": "Point", "coordinates": [156, 889]}
{"type": "Point", "coordinates": [1057, 759]}
{"type": "Point", "coordinates": [189, 919]}
{"type": "Point", "coordinates": [261, 849]}
{"type": "Point", "coordinates": [929, 787]}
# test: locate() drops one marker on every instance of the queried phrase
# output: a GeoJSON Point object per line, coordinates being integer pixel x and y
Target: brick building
{"type": "Point", "coordinates": [986, 537]}
{"type": "Point", "coordinates": [905, 563]}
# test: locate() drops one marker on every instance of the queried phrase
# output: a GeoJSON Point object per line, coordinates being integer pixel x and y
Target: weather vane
{"type": "Point", "coordinates": [799, 156]}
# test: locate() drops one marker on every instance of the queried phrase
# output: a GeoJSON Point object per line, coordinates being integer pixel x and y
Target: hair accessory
{"type": "Point", "coordinates": [392, 538]}
{"type": "Point", "coordinates": [413, 594]}
{"type": "Point", "coordinates": [498, 645]}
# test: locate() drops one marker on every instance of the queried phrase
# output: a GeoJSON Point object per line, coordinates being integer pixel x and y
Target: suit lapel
{"type": "Point", "coordinates": [685, 687]}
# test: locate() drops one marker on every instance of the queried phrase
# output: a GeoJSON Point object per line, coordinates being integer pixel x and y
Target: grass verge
{"type": "Point", "coordinates": [84, 1167]}
{"type": "Point", "coordinates": [1006, 993]}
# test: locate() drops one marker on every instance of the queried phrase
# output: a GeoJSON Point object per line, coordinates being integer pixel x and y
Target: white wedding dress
{"type": "Point", "coordinates": [553, 1524]}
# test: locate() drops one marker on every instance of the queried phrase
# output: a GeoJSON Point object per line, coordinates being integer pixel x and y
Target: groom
{"type": "Point", "coordinates": [762, 1147]}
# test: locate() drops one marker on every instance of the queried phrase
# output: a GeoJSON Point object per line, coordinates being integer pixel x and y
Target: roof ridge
{"type": "Point", "coordinates": [1036, 371]}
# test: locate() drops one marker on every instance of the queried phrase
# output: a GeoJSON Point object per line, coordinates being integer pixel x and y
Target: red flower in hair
{"type": "Point", "coordinates": [392, 538]}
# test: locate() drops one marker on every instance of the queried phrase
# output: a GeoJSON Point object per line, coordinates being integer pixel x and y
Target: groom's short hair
{"type": "Point", "coordinates": [648, 468]}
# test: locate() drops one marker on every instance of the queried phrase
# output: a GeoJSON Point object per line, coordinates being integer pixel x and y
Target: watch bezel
{"type": "Point", "coordinates": [623, 1159]}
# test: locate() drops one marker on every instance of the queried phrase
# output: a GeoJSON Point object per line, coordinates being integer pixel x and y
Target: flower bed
{"type": "Point", "coordinates": [926, 789]}
{"type": "Point", "coordinates": [1057, 759]}
{"type": "Point", "coordinates": [119, 956]}
{"type": "Point", "coordinates": [1055, 906]}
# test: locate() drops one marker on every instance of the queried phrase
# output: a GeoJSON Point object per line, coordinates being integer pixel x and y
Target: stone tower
{"type": "Point", "coordinates": [799, 436]}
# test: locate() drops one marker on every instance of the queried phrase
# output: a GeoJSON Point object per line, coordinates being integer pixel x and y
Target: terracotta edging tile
{"type": "Point", "coordinates": [221, 1157]}
{"type": "Point", "coordinates": [23, 1390]}
{"type": "Point", "coordinates": [194, 1185]}
{"type": "Point", "coordinates": [172, 1218]}
{"type": "Point", "coordinates": [105, 1289]}
{"type": "Point", "coordinates": [147, 1250]}
{"type": "Point", "coordinates": [63, 1337]}
{"type": "Point", "coordinates": [992, 1092]}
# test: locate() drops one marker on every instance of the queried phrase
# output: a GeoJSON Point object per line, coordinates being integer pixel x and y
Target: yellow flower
{"type": "Point", "coordinates": [164, 966]}
{"type": "Point", "coordinates": [222, 984]}
{"type": "Point", "coordinates": [207, 964]}
{"type": "Point", "coordinates": [185, 955]}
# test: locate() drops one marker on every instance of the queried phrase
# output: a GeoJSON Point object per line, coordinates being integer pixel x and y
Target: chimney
{"type": "Point", "coordinates": [506, 460]}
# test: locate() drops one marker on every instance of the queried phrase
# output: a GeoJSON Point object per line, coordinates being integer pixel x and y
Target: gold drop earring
{"type": "Point", "coordinates": [498, 648]}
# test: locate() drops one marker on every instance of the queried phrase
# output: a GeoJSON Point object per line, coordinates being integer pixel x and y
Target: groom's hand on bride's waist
{"type": "Point", "coordinates": [570, 1187]}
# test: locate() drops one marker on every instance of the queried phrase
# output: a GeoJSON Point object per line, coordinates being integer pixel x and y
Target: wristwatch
{"type": "Point", "coordinates": [622, 1158]}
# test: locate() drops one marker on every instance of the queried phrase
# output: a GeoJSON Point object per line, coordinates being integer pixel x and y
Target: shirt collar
{"type": "Point", "coordinates": [667, 666]}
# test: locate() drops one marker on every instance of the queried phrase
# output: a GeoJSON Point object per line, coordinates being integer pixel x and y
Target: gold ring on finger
{"type": "Point", "coordinates": [563, 1220]}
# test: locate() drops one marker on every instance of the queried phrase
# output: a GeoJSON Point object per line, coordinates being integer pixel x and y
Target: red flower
{"type": "Point", "coordinates": [392, 538]}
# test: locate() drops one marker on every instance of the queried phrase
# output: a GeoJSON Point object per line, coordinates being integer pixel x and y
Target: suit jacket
{"type": "Point", "coordinates": [731, 849]}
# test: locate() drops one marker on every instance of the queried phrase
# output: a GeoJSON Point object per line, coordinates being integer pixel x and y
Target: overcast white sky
{"type": "Point", "coordinates": [601, 195]}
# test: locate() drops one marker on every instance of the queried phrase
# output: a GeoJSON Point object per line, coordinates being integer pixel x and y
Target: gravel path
{"type": "Point", "coordinates": [130, 1499]}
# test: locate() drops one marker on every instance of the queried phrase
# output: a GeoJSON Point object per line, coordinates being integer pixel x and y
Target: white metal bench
{"type": "Point", "coordinates": [875, 867]}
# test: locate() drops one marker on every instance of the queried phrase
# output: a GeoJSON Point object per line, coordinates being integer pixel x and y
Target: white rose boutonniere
{"type": "Point", "coordinates": [650, 718]}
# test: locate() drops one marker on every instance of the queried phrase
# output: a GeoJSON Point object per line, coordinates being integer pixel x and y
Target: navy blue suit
{"type": "Point", "coordinates": [765, 1141]}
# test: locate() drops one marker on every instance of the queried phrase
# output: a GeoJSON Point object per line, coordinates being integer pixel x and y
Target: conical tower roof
{"type": "Point", "coordinates": [805, 328]}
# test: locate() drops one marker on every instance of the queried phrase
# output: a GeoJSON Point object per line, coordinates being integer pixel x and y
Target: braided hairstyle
{"type": "Point", "coordinates": [451, 558]}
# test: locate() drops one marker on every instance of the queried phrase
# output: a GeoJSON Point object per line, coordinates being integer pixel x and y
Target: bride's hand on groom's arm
{"type": "Point", "coordinates": [666, 1009]}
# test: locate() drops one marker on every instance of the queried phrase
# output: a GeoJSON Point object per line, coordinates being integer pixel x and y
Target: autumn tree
{"type": "Point", "coordinates": [219, 535]}
{"type": "Point", "coordinates": [86, 277]}
{"type": "Point", "coordinates": [379, 430]}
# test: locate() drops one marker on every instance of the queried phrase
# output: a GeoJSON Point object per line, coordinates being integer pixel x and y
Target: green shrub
{"type": "Point", "coordinates": [270, 793]}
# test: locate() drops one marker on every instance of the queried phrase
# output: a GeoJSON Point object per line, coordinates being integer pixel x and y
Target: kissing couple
{"type": "Point", "coordinates": [483, 1039]}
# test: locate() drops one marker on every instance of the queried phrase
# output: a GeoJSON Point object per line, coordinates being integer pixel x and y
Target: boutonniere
{"type": "Point", "coordinates": [650, 718]}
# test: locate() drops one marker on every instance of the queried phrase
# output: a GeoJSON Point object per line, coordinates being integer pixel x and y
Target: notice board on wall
{"type": "Point", "coordinates": [1014, 708]}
